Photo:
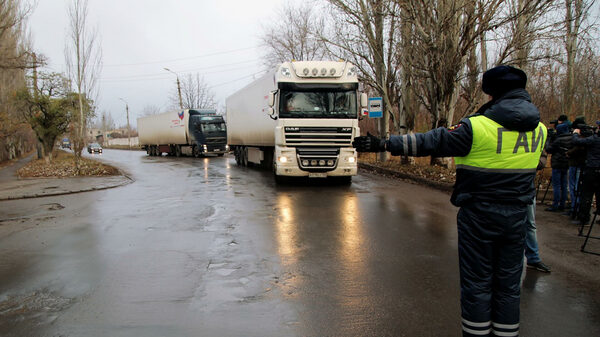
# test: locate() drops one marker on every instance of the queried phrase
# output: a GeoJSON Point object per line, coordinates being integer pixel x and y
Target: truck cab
{"type": "Point", "coordinates": [208, 131]}
{"type": "Point", "coordinates": [299, 120]}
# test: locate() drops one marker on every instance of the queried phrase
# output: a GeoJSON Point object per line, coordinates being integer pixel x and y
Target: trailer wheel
{"type": "Point", "coordinates": [236, 155]}
{"type": "Point", "coordinates": [151, 151]}
{"type": "Point", "coordinates": [245, 156]}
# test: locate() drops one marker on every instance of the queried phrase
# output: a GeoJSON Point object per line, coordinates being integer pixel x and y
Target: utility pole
{"type": "Point", "coordinates": [128, 128]}
{"type": "Point", "coordinates": [178, 87]}
{"type": "Point", "coordinates": [39, 148]}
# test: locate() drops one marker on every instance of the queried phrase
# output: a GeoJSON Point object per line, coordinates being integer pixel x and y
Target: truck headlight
{"type": "Point", "coordinates": [226, 147]}
{"type": "Point", "coordinates": [283, 159]}
{"type": "Point", "coordinates": [351, 159]}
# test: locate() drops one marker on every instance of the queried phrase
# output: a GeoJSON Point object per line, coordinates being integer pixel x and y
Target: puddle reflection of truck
{"type": "Point", "coordinates": [298, 120]}
{"type": "Point", "coordinates": [191, 132]}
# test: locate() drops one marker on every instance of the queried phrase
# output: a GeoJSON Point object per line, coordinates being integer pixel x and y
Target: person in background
{"type": "Point", "coordinates": [563, 119]}
{"type": "Point", "coordinates": [496, 152]}
{"type": "Point", "coordinates": [532, 252]}
{"type": "Point", "coordinates": [576, 156]}
{"type": "Point", "coordinates": [560, 166]}
{"type": "Point", "coordinates": [591, 174]}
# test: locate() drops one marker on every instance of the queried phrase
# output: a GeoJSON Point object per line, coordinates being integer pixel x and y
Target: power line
{"type": "Point", "coordinates": [162, 75]}
{"type": "Point", "coordinates": [237, 79]}
{"type": "Point", "coordinates": [180, 59]}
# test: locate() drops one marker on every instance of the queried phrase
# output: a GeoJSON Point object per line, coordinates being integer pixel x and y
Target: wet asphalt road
{"type": "Point", "coordinates": [202, 247]}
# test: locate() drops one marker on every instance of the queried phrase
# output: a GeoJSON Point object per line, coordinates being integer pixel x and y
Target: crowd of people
{"type": "Point", "coordinates": [575, 161]}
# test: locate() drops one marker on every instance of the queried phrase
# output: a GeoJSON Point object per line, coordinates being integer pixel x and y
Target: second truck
{"type": "Point", "coordinates": [299, 120]}
{"type": "Point", "coordinates": [192, 132]}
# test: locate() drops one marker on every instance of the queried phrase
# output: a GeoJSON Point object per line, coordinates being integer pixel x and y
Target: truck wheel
{"type": "Point", "coordinates": [152, 151]}
{"type": "Point", "coordinates": [195, 151]}
{"type": "Point", "coordinates": [177, 151]}
{"type": "Point", "coordinates": [236, 155]}
{"type": "Point", "coordinates": [244, 156]}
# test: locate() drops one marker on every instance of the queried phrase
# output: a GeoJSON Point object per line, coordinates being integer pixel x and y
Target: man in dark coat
{"type": "Point", "coordinates": [496, 153]}
{"type": "Point", "coordinates": [560, 166]}
{"type": "Point", "coordinates": [591, 173]}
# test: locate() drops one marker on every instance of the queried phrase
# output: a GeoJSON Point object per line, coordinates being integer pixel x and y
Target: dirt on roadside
{"type": "Point", "coordinates": [63, 165]}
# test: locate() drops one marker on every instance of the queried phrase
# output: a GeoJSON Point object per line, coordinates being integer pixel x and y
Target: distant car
{"type": "Point", "coordinates": [94, 148]}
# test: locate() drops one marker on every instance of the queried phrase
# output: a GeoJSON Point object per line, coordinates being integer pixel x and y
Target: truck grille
{"type": "Point", "coordinates": [317, 158]}
{"type": "Point", "coordinates": [318, 136]}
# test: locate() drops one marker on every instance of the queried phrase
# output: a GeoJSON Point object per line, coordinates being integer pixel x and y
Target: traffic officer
{"type": "Point", "coordinates": [496, 152]}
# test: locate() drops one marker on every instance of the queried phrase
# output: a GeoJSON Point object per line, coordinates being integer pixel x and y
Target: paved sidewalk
{"type": "Point", "coordinates": [13, 187]}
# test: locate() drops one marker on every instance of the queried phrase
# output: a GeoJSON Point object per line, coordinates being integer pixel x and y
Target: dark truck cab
{"type": "Point", "coordinates": [209, 132]}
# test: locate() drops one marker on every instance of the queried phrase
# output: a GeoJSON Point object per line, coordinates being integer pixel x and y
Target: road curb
{"type": "Point", "coordinates": [125, 181]}
{"type": "Point", "coordinates": [446, 187]}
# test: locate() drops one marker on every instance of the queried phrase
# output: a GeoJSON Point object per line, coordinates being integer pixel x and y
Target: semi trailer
{"type": "Point", "coordinates": [191, 132]}
{"type": "Point", "coordinates": [298, 120]}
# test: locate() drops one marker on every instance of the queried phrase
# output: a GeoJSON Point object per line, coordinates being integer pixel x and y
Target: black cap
{"type": "Point", "coordinates": [502, 79]}
{"type": "Point", "coordinates": [563, 118]}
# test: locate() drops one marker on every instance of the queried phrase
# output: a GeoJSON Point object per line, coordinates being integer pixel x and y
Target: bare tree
{"type": "Point", "coordinates": [365, 33]}
{"type": "Point", "coordinates": [83, 57]}
{"type": "Point", "coordinates": [575, 15]}
{"type": "Point", "coordinates": [150, 109]}
{"type": "Point", "coordinates": [16, 57]}
{"type": "Point", "coordinates": [195, 94]}
{"type": "Point", "coordinates": [292, 35]}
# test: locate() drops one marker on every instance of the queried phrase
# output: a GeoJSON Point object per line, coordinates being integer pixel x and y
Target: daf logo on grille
{"type": "Point", "coordinates": [346, 129]}
{"type": "Point", "coordinates": [291, 128]}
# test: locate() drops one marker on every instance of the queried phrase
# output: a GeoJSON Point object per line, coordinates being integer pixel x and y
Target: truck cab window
{"type": "Point", "coordinates": [318, 104]}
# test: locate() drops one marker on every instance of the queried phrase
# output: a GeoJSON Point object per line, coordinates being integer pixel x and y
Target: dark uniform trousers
{"type": "Point", "coordinates": [491, 240]}
{"type": "Point", "coordinates": [590, 185]}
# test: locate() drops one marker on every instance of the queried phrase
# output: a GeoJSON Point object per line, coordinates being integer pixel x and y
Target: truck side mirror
{"type": "Point", "coordinates": [271, 113]}
{"type": "Point", "coordinates": [271, 99]}
{"type": "Point", "coordinates": [364, 100]}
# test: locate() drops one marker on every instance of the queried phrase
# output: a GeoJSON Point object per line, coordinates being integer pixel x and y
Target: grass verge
{"type": "Point", "coordinates": [63, 165]}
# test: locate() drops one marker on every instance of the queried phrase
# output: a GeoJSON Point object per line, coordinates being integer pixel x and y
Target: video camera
{"type": "Point", "coordinates": [585, 130]}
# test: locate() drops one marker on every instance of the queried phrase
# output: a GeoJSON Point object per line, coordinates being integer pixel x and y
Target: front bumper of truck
{"type": "Point", "coordinates": [315, 162]}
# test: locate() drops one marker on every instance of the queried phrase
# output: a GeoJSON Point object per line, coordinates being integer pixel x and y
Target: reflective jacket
{"type": "Point", "coordinates": [507, 125]}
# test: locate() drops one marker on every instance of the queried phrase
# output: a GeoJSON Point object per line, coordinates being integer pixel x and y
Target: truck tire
{"type": "Point", "coordinates": [244, 156]}
{"type": "Point", "coordinates": [177, 151]}
{"type": "Point", "coordinates": [236, 155]}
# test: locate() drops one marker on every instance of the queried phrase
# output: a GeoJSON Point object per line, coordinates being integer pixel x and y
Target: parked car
{"type": "Point", "coordinates": [94, 148]}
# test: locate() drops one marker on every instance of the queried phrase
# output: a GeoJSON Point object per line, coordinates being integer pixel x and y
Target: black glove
{"type": "Point", "coordinates": [369, 143]}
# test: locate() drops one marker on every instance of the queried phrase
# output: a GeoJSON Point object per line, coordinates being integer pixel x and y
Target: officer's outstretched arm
{"type": "Point", "coordinates": [455, 141]}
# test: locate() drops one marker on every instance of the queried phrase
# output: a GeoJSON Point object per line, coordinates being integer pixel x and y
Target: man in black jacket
{"type": "Point", "coordinates": [560, 167]}
{"type": "Point", "coordinates": [591, 174]}
{"type": "Point", "coordinates": [496, 153]}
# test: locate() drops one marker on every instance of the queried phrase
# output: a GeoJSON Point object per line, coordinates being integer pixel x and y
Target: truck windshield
{"type": "Point", "coordinates": [208, 127]}
{"type": "Point", "coordinates": [318, 104]}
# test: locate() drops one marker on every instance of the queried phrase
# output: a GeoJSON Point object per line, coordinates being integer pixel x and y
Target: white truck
{"type": "Point", "coordinates": [299, 120]}
{"type": "Point", "coordinates": [192, 132]}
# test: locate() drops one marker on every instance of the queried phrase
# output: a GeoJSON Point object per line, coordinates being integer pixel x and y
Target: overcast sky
{"type": "Point", "coordinates": [220, 39]}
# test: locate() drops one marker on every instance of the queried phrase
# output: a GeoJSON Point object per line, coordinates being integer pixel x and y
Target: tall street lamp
{"type": "Point", "coordinates": [178, 87]}
{"type": "Point", "coordinates": [128, 128]}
